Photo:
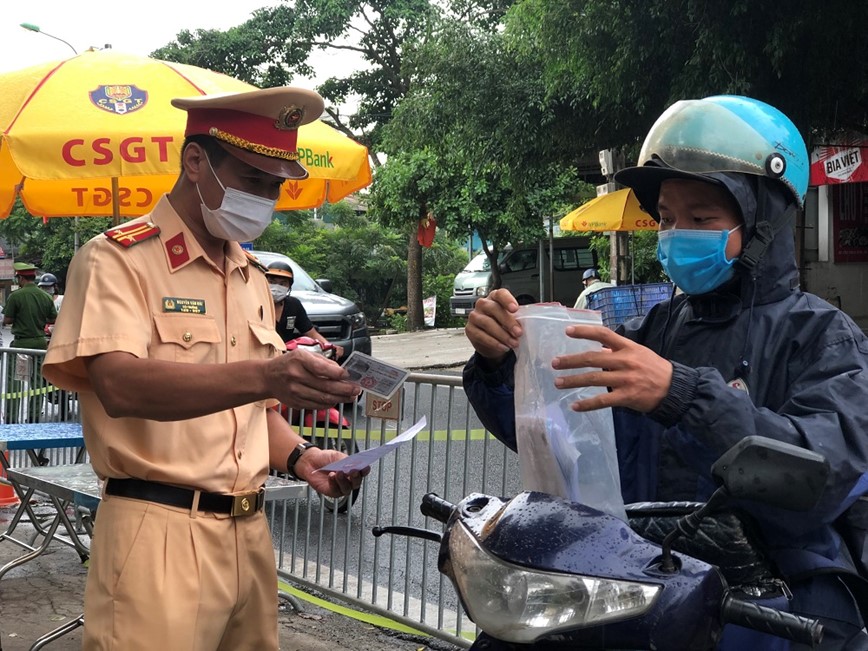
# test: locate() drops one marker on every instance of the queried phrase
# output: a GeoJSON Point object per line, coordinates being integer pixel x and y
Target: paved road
{"type": "Point", "coordinates": [442, 348]}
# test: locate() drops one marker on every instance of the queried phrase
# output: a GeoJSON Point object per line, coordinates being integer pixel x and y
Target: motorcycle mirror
{"type": "Point", "coordinates": [772, 472]}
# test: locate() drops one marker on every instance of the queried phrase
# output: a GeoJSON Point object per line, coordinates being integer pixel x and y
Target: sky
{"type": "Point", "coordinates": [131, 27]}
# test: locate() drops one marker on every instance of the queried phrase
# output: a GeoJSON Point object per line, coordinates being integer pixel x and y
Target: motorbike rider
{"type": "Point", "coordinates": [742, 351]}
{"type": "Point", "coordinates": [48, 284]}
{"type": "Point", "coordinates": [292, 319]}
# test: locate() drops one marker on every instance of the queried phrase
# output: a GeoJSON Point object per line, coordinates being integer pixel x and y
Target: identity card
{"type": "Point", "coordinates": [372, 375]}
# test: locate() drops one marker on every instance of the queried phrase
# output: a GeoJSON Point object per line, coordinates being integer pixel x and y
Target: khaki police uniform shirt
{"type": "Point", "coordinates": [162, 298]}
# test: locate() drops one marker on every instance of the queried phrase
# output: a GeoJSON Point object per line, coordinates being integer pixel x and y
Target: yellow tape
{"type": "Point", "coordinates": [369, 618]}
{"type": "Point", "coordinates": [424, 435]}
{"type": "Point", "coordinates": [31, 392]}
{"type": "Point", "coordinates": [359, 615]}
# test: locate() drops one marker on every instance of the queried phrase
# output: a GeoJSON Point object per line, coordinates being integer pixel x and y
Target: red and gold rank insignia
{"type": "Point", "coordinates": [176, 248]}
{"type": "Point", "coordinates": [132, 233]}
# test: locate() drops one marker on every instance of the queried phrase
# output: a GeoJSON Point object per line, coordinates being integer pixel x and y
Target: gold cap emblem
{"type": "Point", "coordinates": [289, 118]}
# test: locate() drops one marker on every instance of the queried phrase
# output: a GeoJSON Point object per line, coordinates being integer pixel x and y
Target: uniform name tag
{"type": "Point", "coordinates": [186, 305]}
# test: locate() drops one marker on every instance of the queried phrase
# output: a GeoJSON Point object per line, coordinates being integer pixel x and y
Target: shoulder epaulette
{"type": "Point", "coordinates": [252, 259]}
{"type": "Point", "coordinates": [133, 233]}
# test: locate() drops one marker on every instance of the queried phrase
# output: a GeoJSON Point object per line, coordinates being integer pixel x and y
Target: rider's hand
{"type": "Point", "coordinates": [330, 484]}
{"type": "Point", "coordinates": [492, 328]}
{"type": "Point", "coordinates": [636, 376]}
{"type": "Point", "coordinates": [304, 381]}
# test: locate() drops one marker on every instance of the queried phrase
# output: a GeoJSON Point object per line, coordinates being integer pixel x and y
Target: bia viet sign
{"type": "Point", "coordinates": [839, 164]}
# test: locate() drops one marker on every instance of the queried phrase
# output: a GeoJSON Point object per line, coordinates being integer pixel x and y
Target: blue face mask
{"type": "Point", "coordinates": [695, 260]}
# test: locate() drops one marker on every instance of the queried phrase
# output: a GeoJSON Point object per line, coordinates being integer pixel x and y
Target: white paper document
{"type": "Point", "coordinates": [365, 458]}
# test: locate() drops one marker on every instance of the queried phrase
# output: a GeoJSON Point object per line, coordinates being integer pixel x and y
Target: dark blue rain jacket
{"type": "Point", "coordinates": [756, 357]}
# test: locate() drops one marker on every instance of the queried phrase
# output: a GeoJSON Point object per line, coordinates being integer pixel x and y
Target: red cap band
{"type": "Point", "coordinates": [255, 129]}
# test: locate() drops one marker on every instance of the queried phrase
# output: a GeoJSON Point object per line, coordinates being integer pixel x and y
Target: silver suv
{"type": "Point", "coordinates": [336, 318]}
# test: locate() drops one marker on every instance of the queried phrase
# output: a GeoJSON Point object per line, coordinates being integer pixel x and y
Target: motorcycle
{"type": "Point", "coordinates": [540, 572]}
{"type": "Point", "coordinates": [328, 428]}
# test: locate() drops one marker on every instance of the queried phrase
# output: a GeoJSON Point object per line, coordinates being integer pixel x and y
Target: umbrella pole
{"type": "Point", "coordinates": [116, 208]}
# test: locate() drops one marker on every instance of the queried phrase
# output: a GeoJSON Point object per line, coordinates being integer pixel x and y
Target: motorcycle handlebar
{"type": "Point", "coordinates": [768, 620]}
{"type": "Point", "coordinates": [436, 507]}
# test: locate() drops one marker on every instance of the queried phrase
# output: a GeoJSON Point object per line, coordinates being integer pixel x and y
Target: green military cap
{"type": "Point", "coordinates": [24, 269]}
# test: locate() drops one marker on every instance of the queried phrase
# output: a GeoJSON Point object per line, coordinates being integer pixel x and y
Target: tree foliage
{"type": "Point", "coordinates": [276, 43]}
{"type": "Point", "coordinates": [621, 62]}
{"type": "Point", "coordinates": [365, 262]}
{"type": "Point", "coordinates": [472, 140]}
{"type": "Point", "coordinates": [48, 245]}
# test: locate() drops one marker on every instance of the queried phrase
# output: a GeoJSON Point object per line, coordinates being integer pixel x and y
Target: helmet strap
{"type": "Point", "coordinates": [764, 232]}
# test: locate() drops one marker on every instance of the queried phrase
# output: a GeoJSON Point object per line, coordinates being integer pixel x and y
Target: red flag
{"type": "Point", "coordinates": [425, 231]}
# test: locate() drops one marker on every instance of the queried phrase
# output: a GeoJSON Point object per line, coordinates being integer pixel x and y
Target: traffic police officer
{"type": "Point", "coordinates": [167, 332]}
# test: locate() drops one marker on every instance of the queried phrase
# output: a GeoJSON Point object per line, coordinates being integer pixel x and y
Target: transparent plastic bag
{"type": "Point", "coordinates": [562, 452]}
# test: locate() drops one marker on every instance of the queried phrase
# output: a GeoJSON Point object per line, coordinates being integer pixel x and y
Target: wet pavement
{"type": "Point", "coordinates": [48, 592]}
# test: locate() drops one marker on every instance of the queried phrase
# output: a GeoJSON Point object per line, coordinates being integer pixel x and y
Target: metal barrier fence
{"type": "Point", "coordinates": [25, 396]}
{"type": "Point", "coordinates": [321, 548]}
{"type": "Point", "coordinates": [328, 547]}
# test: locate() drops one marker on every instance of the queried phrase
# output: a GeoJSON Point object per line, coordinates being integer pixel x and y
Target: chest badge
{"type": "Point", "coordinates": [184, 305]}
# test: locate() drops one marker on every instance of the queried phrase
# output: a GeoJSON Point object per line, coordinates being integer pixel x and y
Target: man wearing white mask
{"type": "Point", "coordinates": [168, 336]}
{"type": "Point", "coordinates": [292, 319]}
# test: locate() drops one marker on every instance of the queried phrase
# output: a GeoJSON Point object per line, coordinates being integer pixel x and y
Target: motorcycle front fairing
{"type": "Point", "coordinates": [537, 568]}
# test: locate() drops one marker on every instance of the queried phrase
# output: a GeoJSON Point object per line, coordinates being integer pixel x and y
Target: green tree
{"type": "Point", "coordinates": [364, 261]}
{"type": "Point", "coordinates": [382, 32]}
{"type": "Point", "coordinates": [274, 45]}
{"type": "Point", "coordinates": [474, 129]}
{"type": "Point", "coordinates": [49, 245]}
{"type": "Point", "coordinates": [621, 62]}
{"type": "Point", "coordinates": [643, 253]}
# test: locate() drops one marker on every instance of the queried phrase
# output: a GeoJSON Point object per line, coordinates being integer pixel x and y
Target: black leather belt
{"type": "Point", "coordinates": [150, 491]}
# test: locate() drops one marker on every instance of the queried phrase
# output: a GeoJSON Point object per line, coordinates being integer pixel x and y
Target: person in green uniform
{"type": "Point", "coordinates": [28, 309]}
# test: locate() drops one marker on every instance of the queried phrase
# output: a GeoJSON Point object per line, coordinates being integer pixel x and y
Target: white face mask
{"type": "Point", "coordinates": [241, 217]}
{"type": "Point", "coordinates": [278, 292]}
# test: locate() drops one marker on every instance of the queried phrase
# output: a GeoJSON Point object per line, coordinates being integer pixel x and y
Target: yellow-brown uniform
{"type": "Point", "coordinates": [148, 289]}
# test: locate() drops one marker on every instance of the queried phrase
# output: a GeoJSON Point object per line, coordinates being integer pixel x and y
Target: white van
{"type": "Point", "coordinates": [521, 271]}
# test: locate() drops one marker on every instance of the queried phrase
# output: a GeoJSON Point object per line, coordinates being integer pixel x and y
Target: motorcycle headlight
{"type": "Point", "coordinates": [482, 292]}
{"type": "Point", "coordinates": [517, 604]}
{"type": "Point", "coordinates": [357, 320]}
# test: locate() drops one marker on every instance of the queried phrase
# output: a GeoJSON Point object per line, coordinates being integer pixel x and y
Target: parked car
{"type": "Point", "coordinates": [336, 318]}
{"type": "Point", "coordinates": [520, 273]}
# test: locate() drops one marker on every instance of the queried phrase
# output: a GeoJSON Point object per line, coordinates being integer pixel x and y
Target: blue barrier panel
{"type": "Point", "coordinates": [627, 301]}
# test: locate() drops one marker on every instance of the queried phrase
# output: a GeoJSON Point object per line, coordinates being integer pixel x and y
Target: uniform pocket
{"type": "Point", "coordinates": [187, 338]}
{"type": "Point", "coordinates": [265, 342]}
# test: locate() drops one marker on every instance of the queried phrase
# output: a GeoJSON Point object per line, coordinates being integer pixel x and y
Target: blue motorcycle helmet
{"type": "Point", "coordinates": [723, 133]}
{"type": "Point", "coordinates": [717, 140]}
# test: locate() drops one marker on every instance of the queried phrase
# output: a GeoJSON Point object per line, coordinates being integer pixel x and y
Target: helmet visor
{"type": "Point", "coordinates": [700, 136]}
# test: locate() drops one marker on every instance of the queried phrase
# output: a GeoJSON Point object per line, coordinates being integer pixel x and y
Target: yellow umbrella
{"type": "Point", "coordinates": [96, 135]}
{"type": "Point", "coordinates": [617, 211]}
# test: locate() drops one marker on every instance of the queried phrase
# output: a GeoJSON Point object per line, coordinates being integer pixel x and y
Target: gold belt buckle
{"type": "Point", "coordinates": [247, 503]}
